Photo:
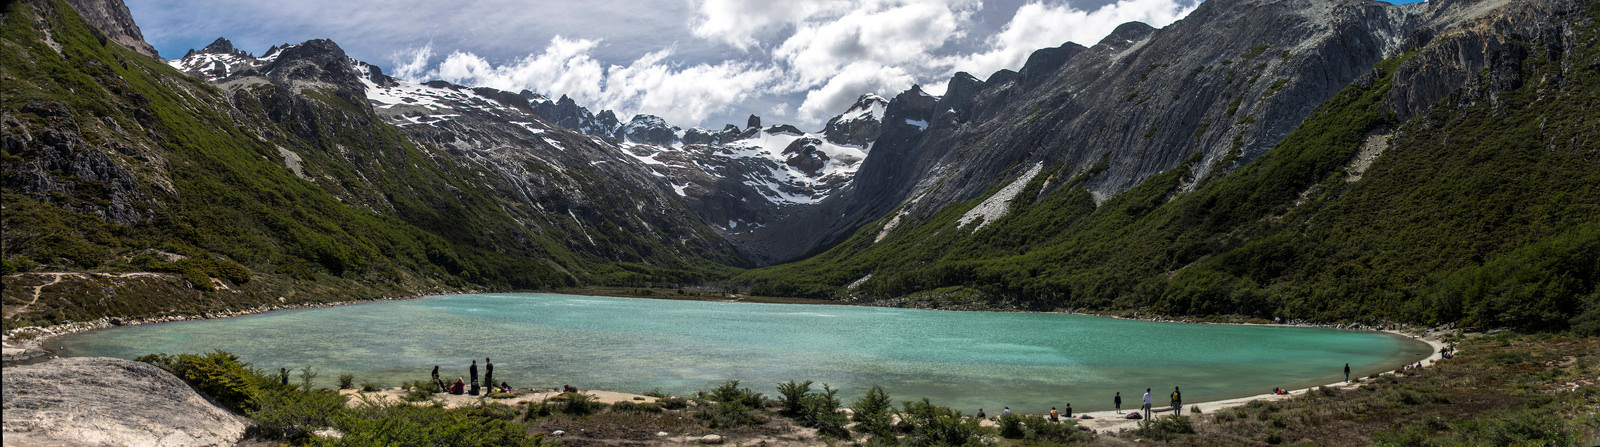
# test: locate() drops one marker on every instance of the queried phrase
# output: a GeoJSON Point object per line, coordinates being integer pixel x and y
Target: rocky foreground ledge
{"type": "Point", "coordinates": [94, 401]}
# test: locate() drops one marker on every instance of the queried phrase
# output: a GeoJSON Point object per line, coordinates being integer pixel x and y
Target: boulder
{"type": "Point", "coordinates": [111, 402]}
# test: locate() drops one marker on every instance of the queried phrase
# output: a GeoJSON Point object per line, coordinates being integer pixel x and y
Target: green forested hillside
{"type": "Point", "coordinates": [1484, 212]}
{"type": "Point", "coordinates": [115, 162]}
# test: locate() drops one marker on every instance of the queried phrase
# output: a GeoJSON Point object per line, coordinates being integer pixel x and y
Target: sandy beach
{"type": "Point", "coordinates": [1112, 421]}
{"type": "Point", "coordinates": [462, 400]}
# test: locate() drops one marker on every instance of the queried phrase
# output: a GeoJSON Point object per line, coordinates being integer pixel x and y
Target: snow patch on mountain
{"type": "Point", "coordinates": [998, 204]}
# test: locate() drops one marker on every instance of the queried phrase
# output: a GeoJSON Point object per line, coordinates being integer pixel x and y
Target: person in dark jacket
{"type": "Point", "coordinates": [1118, 401]}
{"type": "Point", "coordinates": [488, 373]}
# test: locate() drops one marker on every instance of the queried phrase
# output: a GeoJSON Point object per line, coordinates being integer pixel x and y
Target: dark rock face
{"type": "Point", "coordinates": [59, 163]}
{"type": "Point", "coordinates": [1142, 98]}
{"type": "Point", "coordinates": [113, 18]}
{"type": "Point", "coordinates": [753, 123]}
{"type": "Point", "coordinates": [104, 401]}
{"type": "Point", "coordinates": [785, 129]}
{"type": "Point", "coordinates": [802, 154]}
{"type": "Point", "coordinates": [1043, 63]}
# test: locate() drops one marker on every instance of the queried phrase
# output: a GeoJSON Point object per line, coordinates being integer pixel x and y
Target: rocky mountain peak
{"type": "Point", "coordinates": [650, 129]}
{"type": "Point", "coordinates": [753, 123]}
{"type": "Point", "coordinates": [222, 46]}
{"type": "Point", "coordinates": [860, 124]}
{"type": "Point", "coordinates": [317, 60]}
{"type": "Point", "coordinates": [1044, 62]}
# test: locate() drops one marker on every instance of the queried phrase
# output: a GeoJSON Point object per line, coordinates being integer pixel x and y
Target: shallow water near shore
{"type": "Point", "coordinates": [966, 360]}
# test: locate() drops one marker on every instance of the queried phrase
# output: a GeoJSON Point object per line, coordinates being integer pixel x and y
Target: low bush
{"type": "Point", "coordinates": [577, 404]}
{"type": "Point", "coordinates": [347, 381]}
{"type": "Point", "coordinates": [728, 415]}
{"type": "Point", "coordinates": [403, 424]}
{"type": "Point", "coordinates": [673, 403]}
{"type": "Point", "coordinates": [635, 407]}
{"type": "Point", "coordinates": [1165, 429]}
{"type": "Point", "coordinates": [290, 415]}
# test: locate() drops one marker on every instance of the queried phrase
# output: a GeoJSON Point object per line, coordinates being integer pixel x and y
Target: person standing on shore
{"type": "Point", "coordinates": [1118, 400]}
{"type": "Point", "coordinates": [488, 373]}
{"type": "Point", "coordinates": [1177, 402]}
{"type": "Point", "coordinates": [472, 373]}
{"type": "Point", "coordinates": [1347, 373]}
{"type": "Point", "coordinates": [283, 376]}
{"type": "Point", "coordinates": [1146, 407]}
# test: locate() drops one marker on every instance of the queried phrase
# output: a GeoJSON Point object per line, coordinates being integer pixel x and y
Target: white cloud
{"type": "Point", "coordinates": [411, 64]}
{"type": "Point", "coordinates": [1037, 25]}
{"type": "Point", "coordinates": [843, 89]}
{"type": "Point", "coordinates": [681, 95]}
{"type": "Point", "coordinates": [564, 68]}
{"type": "Point", "coordinates": [886, 34]}
{"type": "Point", "coordinates": [648, 85]}
{"type": "Point", "coordinates": [741, 23]}
{"type": "Point", "coordinates": [819, 54]}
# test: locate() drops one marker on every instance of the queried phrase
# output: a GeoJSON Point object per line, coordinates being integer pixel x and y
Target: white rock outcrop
{"type": "Point", "coordinates": [93, 401]}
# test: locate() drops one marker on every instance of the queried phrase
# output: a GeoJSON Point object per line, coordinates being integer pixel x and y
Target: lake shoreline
{"type": "Point", "coordinates": [26, 350]}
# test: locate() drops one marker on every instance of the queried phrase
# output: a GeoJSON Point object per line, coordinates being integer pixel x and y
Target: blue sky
{"type": "Point", "coordinates": [694, 62]}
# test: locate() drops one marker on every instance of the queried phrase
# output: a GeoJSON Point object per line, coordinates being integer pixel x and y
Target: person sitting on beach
{"type": "Point", "coordinates": [980, 414]}
{"type": "Point", "coordinates": [1055, 416]}
{"type": "Point", "coordinates": [568, 389]}
{"type": "Point", "coordinates": [1068, 412]}
{"type": "Point", "coordinates": [1005, 411]}
{"type": "Point", "coordinates": [504, 388]}
{"type": "Point", "coordinates": [460, 387]}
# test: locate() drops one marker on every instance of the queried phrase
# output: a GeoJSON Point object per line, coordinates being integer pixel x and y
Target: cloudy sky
{"type": "Point", "coordinates": [695, 62]}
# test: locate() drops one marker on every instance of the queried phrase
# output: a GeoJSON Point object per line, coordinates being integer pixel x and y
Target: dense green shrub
{"type": "Point", "coordinates": [1526, 427]}
{"type": "Point", "coordinates": [384, 424]}
{"type": "Point", "coordinates": [925, 424]}
{"type": "Point", "coordinates": [219, 374]}
{"type": "Point", "coordinates": [347, 381]}
{"type": "Point", "coordinates": [290, 415]}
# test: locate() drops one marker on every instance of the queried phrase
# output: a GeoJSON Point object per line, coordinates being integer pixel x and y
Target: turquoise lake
{"type": "Point", "coordinates": [966, 360]}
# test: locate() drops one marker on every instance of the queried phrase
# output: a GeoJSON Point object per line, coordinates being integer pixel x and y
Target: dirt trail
{"type": "Point", "coordinates": [56, 277]}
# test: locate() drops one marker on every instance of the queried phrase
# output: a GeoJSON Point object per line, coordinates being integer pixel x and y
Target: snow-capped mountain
{"type": "Point", "coordinates": [735, 180]}
{"type": "Point", "coordinates": [860, 125]}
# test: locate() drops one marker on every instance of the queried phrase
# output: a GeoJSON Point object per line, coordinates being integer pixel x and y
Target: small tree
{"type": "Point", "coordinates": [306, 375]}
{"type": "Point", "coordinates": [793, 393]}
{"type": "Point", "coordinates": [872, 412]}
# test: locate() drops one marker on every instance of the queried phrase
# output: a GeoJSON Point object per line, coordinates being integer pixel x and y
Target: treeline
{"type": "Point", "coordinates": [1483, 213]}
